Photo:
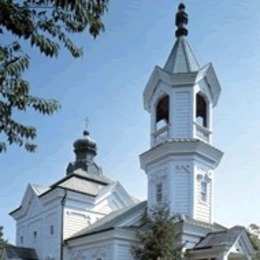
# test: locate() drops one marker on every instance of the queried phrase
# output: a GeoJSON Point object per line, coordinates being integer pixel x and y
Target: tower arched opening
{"type": "Point", "coordinates": [162, 112]}
{"type": "Point", "coordinates": [201, 110]}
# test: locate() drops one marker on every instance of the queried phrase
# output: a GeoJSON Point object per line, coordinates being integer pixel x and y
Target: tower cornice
{"type": "Point", "coordinates": [181, 147]}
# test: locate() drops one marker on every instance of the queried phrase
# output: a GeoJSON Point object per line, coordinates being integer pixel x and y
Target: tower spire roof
{"type": "Point", "coordinates": [181, 58]}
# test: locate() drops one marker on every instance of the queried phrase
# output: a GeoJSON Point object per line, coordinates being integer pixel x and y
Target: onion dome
{"type": "Point", "coordinates": [85, 148]}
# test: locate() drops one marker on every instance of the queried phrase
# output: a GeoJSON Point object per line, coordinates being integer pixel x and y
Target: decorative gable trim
{"type": "Point", "coordinates": [209, 75]}
{"type": "Point", "coordinates": [28, 197]}
{"type": "Point", "coordinates": [242, 245]}
{"type": "Point", "coordinates": [117, 194]}
{"type": "Point", "coordinates": [158, 74]}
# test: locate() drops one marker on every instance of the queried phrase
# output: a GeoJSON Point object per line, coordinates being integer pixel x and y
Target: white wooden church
{"type": "Point", "coordinates": [86, 216]}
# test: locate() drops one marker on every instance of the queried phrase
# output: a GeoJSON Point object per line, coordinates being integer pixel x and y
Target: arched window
{"type": "Point", "coordinates": [162, 112]}
{"type": "Point", "coordinates": [201, 110]}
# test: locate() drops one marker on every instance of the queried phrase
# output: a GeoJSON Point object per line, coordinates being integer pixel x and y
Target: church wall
{"type": "Point", "coordinates": [34, 229]}
{"type": "Point", "coordinates": [52, 235]}
{"type": "Point", "coordinates": [79, 214]}
{"type": "Point", "coordinates": [40, 225]}
{"type": "Point", "coordinates": [181, 187]}
{"type": "Point", "coordinates": [101, 250]}
{"type": "Point", "coordinates": [203, 208]}
{"type": "Point", "coordinates": [108, 245]}
{"type": "Point", "coordinates": [123, 250]}
{"type": "Point", "coordinates": [158, 175]}
{"type": "Point", "coordinates": [76, 220]}
{"type": "Point", "coordinates": [177, 184]}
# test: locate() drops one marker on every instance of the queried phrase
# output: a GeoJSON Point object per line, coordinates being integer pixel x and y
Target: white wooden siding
{"type": "Point", "coordinates": [158, 176]}
{"type": "Point", "coordinates": [181, 200]}
{"type": "Point", "coordinates": [45, 244]}
{"type": "Point", "coordinates": [181, 119]}
{"type": "Point", "coordinates": [103, 251]}
{"type": "Point", "coordinates": [124, 252]}
{"type": "Point", "coordinates": [74, 221]}
{"type": "Point", "coordinates": [203, 208]}
{"type": "Point", "coordinates": [51, 242]}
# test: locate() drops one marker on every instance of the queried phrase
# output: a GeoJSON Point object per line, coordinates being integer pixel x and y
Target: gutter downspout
{"type": "Point", "coordinates": [63, 200]}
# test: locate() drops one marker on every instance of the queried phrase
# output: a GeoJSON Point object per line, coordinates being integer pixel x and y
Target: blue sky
{"type": "Point", "coordinates": [106, 86]}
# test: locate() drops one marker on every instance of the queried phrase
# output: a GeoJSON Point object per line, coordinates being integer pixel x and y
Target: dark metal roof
{"type": "Point", "coordinates": [79, 181]}
{"type": "Point", "coordinates": [212, 227]}
{"type": "Point", "coordinates": [223, 238]}
{"type": "Point", "coordinates": [111, 221]}
{"type": "Point", "coordinates": [181, 58]}
{"type": "Point", "coordinates": [82, 182]}
{"type": "Point", "coordinates": [39, 189]}
{"type": "Point", "coordinates": [20, 253]}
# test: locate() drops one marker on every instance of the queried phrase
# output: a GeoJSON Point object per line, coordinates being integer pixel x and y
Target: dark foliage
{"type": "Point", "coordinates": [46, 25]}
{"type": "Point", "coordinates": [2, 241]}
{"type": "Point", "coordinates": [254, 235]}
{"type": "Point", "coordinates": [158, 237]}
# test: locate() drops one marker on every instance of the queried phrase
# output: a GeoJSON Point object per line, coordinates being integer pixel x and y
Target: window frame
{"type": "Point", "coordinates": [159, 192]}
{"type": "Point", "coordinates": [202, 110]}
{"type": "Point", "coordinates": [204, 191]}
{"type": "Point", "coordinates": [51, 230]}
{"type": "Point", "coordinates": [35, 234]}
{"type": "Point", "coordinates": [162, 112]}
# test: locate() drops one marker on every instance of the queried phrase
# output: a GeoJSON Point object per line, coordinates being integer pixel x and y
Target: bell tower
{"type": "Point", "coordinates": [180, 98]}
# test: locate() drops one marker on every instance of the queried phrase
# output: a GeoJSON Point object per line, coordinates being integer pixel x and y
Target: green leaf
{"type": "Point", "coordinates": [47, 28]}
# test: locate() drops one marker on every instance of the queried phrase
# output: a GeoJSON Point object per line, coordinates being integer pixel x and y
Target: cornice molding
{"type": "Point", "coordinates": [191, 147]}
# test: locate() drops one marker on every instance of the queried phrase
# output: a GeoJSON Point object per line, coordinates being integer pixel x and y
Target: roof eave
{"type": "Point", "coordinates": [174, 80]}
{"type": "Point", "coordinates": [208, 73]}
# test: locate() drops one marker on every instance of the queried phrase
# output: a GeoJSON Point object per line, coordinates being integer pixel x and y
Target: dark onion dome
{"type": "Point", "coordinates": [85, 144]}
{"type": "Point", "coordinates": [181, 20]}
{"type": "Point", "coordinates": [85, 148]}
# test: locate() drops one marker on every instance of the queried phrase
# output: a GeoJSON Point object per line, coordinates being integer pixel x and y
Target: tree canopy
{"type": "Point", "coordinates": [158, 237]}
{"type": "Point", "coordinates": [2, 241]}
{"type": "Point", "coordinates": [255, 238]}
{"type": "Point", "coordinates": [47, 25]}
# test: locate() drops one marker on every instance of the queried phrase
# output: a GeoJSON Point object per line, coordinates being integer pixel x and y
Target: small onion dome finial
{"type": "Point", "coordinates": [85, 133]}
{"type": "Point", "coordinates": [181, 20]}
{"type": "Point", "coordinates": [181, 6]}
